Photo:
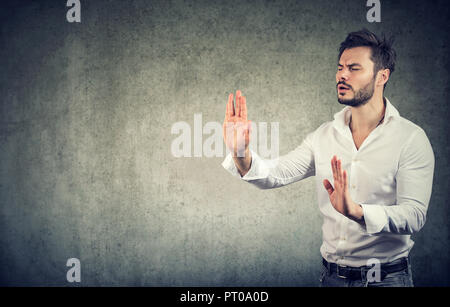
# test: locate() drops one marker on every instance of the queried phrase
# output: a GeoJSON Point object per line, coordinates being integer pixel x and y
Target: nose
{"type": "Point", "coordinates": [341, 75]}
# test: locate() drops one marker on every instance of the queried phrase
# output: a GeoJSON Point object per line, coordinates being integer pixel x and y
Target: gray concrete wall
{"type": "Point", "coordinates": [86, 111]}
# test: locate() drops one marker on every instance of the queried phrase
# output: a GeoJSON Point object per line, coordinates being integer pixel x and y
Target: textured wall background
{"type": "Point", "coordinates": [86, 169]}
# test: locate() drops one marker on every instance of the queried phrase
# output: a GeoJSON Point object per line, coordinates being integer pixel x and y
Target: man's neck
{"type": "Point", "coordinates": [367, 117]}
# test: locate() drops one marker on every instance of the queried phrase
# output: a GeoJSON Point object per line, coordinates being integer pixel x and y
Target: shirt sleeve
{"type": "Point", "coordinates": [414, 183]}
{"type": "Point", "coordinates": [268, 174]}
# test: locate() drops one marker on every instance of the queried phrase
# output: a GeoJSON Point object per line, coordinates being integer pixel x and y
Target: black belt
{"type": "Point", "coordinates": [355, 273]}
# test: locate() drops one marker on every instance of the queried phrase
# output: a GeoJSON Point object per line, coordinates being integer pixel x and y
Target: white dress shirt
{"type": "Point", "coordinates": [390, 175]}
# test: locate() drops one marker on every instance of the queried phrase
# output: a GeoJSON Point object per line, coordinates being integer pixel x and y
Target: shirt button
{"type": "Point", "coordinates": [353, 186]}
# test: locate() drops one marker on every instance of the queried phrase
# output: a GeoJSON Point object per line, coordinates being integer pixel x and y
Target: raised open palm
{"type": "Point", "coordinates": [339, 194]}
{"type": "Point", "coordinates": [236, 127]}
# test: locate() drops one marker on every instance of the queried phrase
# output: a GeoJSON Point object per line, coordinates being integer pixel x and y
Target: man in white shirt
{"type": "Point", "coordinates": [373, 169]}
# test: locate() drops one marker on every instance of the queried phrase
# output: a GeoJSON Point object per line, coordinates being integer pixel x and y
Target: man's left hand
{"type": "Point", "coordinates": [340, 195]}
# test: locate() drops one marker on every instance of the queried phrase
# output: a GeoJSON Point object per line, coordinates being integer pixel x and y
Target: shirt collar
{"type": "Point", "coordinates": [342, 118]}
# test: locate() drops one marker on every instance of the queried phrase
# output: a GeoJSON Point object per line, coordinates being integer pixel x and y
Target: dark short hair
{"type": "Point", "coordinates": [383, 55]}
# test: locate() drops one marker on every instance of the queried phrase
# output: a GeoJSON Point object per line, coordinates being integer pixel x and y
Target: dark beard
{"type": "Point", "coordinates": [361, 97]}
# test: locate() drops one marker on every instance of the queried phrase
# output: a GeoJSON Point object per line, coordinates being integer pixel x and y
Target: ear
{"type": "Point", "coordinates": [383, 76]}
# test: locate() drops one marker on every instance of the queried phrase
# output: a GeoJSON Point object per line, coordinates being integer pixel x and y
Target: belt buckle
{"type": "Point", "coordinates": [337, 271]}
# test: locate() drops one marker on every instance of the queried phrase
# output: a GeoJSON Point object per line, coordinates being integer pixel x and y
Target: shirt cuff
{"type": "Point", "coordinates": [258, 168]}
{"type": "Point", "coordinates": [229, 165]}
{"type": "Point", "coordinates": [375, 218]}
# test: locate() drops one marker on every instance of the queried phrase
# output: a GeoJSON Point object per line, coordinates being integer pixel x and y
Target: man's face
{"type": "Point", "coordinates": [355, 79]}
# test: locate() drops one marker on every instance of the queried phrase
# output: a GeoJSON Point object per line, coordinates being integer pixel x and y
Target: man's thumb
{"type": "Point", "coordinates": [328, 186]}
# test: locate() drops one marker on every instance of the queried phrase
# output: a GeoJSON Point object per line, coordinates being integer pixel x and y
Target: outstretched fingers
{"type": "Point", "coordinates": [244, 108]}
{"type": "Point", "coordinates": [345, 180]}
{"type": "Point", "coordinates": [230, 106]}
{"type": "Point", "coordinates": [334, 169]}
{"type": "Point", "coordinates": [238, 103]}
{"type": "Point", "coordinates": [339, 176]}
{"type": "Point", "coordinates": [241, 106]}
{"type": "Point", "coordinates": [339, 171]}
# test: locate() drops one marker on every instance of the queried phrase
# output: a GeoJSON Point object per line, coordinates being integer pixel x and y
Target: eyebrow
{"type": "Point", "coordinates": [351, 65]}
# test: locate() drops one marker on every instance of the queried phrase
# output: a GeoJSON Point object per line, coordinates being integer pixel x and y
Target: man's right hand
{"type": "Point", "coordinates": [236, 132]}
